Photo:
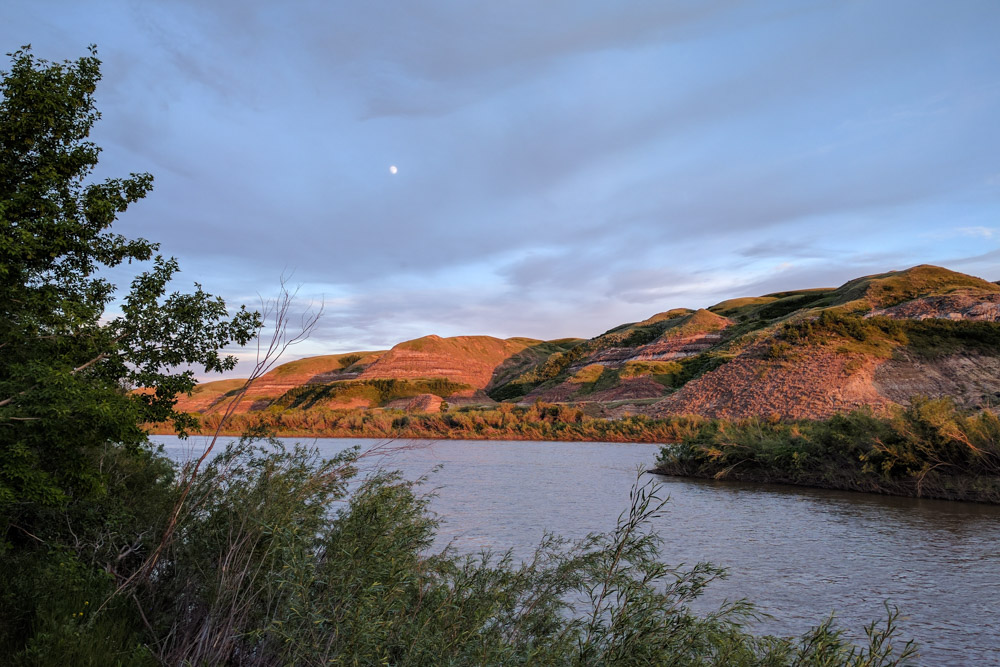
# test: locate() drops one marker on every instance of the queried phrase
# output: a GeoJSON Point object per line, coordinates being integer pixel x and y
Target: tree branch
{"type": "Point", "coordinates": [278, 310]}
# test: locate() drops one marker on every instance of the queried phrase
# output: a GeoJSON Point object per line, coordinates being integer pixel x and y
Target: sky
{"type": "Point", "coordinates": [562, 167]}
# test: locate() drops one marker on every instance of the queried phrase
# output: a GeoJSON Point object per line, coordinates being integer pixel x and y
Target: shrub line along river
{"type": "Point", "coordinates": [799, 553]}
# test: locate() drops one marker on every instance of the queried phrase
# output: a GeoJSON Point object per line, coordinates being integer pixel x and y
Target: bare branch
{"type": "Point", "coordinates": [277, 310]}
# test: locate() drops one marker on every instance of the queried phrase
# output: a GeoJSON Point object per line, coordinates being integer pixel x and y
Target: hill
{"type": "Point", "coordinates": [875, 341]}
{"type": "Point", "coordinates": [469, 360]}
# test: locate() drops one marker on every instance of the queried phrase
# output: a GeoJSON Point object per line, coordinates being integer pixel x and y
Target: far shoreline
{"type": "Point", "coordinates": [230, 433]}
{"type": "Point", "coordinates": [931, 449]}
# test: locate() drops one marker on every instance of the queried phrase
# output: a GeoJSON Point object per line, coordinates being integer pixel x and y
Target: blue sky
{"type": "Point", "coordinates": [563, 166]}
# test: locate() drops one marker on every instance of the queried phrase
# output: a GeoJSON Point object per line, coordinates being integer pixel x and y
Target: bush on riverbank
{"type": "Point", "coordinates": [930, 449]}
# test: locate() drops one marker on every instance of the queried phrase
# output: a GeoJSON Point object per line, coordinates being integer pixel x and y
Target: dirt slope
{"type": "Point", "coordinates": [817, 384]}
{"type": "Point", "coordinates": [972, 380]}
{"type": "Point", "coordinates": [971, 305]}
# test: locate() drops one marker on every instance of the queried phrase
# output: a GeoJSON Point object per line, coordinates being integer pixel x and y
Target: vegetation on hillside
{"type": "Point", "coordinates": [880, 336]}
{"type": "Point", "coordinates": [595, 378]}
{"type": "Point", "coordinates": [515, 376]}
{"type": "Point", "coordinates": [558, 366]}
{"type": "Point", "coordinates": [376, 392]}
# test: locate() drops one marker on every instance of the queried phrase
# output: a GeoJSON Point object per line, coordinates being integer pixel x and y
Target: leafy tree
{"type": "Point", "coordinates": [65, 371]}
{"type": "Point", "coordinates": [76, 380]}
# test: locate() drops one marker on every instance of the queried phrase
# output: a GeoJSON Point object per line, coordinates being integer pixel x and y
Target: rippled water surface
{"type": "Point", "coordinates": [799, 553]}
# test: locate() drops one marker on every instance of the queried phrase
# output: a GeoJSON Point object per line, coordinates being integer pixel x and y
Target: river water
{"type": "Point", "coordinates": [799, 553]}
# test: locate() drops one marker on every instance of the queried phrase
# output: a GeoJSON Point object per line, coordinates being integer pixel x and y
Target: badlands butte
{"type": "Point", "coordinates": [875, 342]}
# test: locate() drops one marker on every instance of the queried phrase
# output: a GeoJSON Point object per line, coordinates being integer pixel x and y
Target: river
{"type": "Point", "coordinates": [799, 553]}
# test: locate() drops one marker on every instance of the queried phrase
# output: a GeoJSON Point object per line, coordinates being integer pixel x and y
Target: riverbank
{"type": "Point", "coordinates": [928, 450]}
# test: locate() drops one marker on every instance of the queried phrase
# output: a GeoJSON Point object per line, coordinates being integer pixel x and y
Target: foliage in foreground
{"type": "Point", "coordinates": [281, 557]}
{"type": "Point", "coordinates": [930, 449]}
{"type": "Point", "coordinates": [65, 363]}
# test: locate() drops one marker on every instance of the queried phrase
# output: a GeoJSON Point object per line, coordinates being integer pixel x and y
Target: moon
{"type": "Point", "coordinates": [392, 169]}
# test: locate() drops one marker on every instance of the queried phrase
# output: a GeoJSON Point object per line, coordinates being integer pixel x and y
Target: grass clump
{"type": "Point", "coordinates": [588, 374]}
{"type": "Point", "coordinates": [634, 369]}
{"type": "Point", "coordinates": [608, 378]}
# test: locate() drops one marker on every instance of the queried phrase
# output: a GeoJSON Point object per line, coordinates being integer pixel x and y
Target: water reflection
{"type": "Point", "coordinates": [799, 553]}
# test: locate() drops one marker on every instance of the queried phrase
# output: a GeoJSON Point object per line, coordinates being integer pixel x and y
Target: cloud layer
{"type": "Point", "coordinates": [563, 166]}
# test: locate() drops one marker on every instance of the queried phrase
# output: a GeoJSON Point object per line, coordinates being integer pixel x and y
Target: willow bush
{"type": "Point", "coordinates": [282, 557]}
{"type": "Point", "coordinates": [286, 558]}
